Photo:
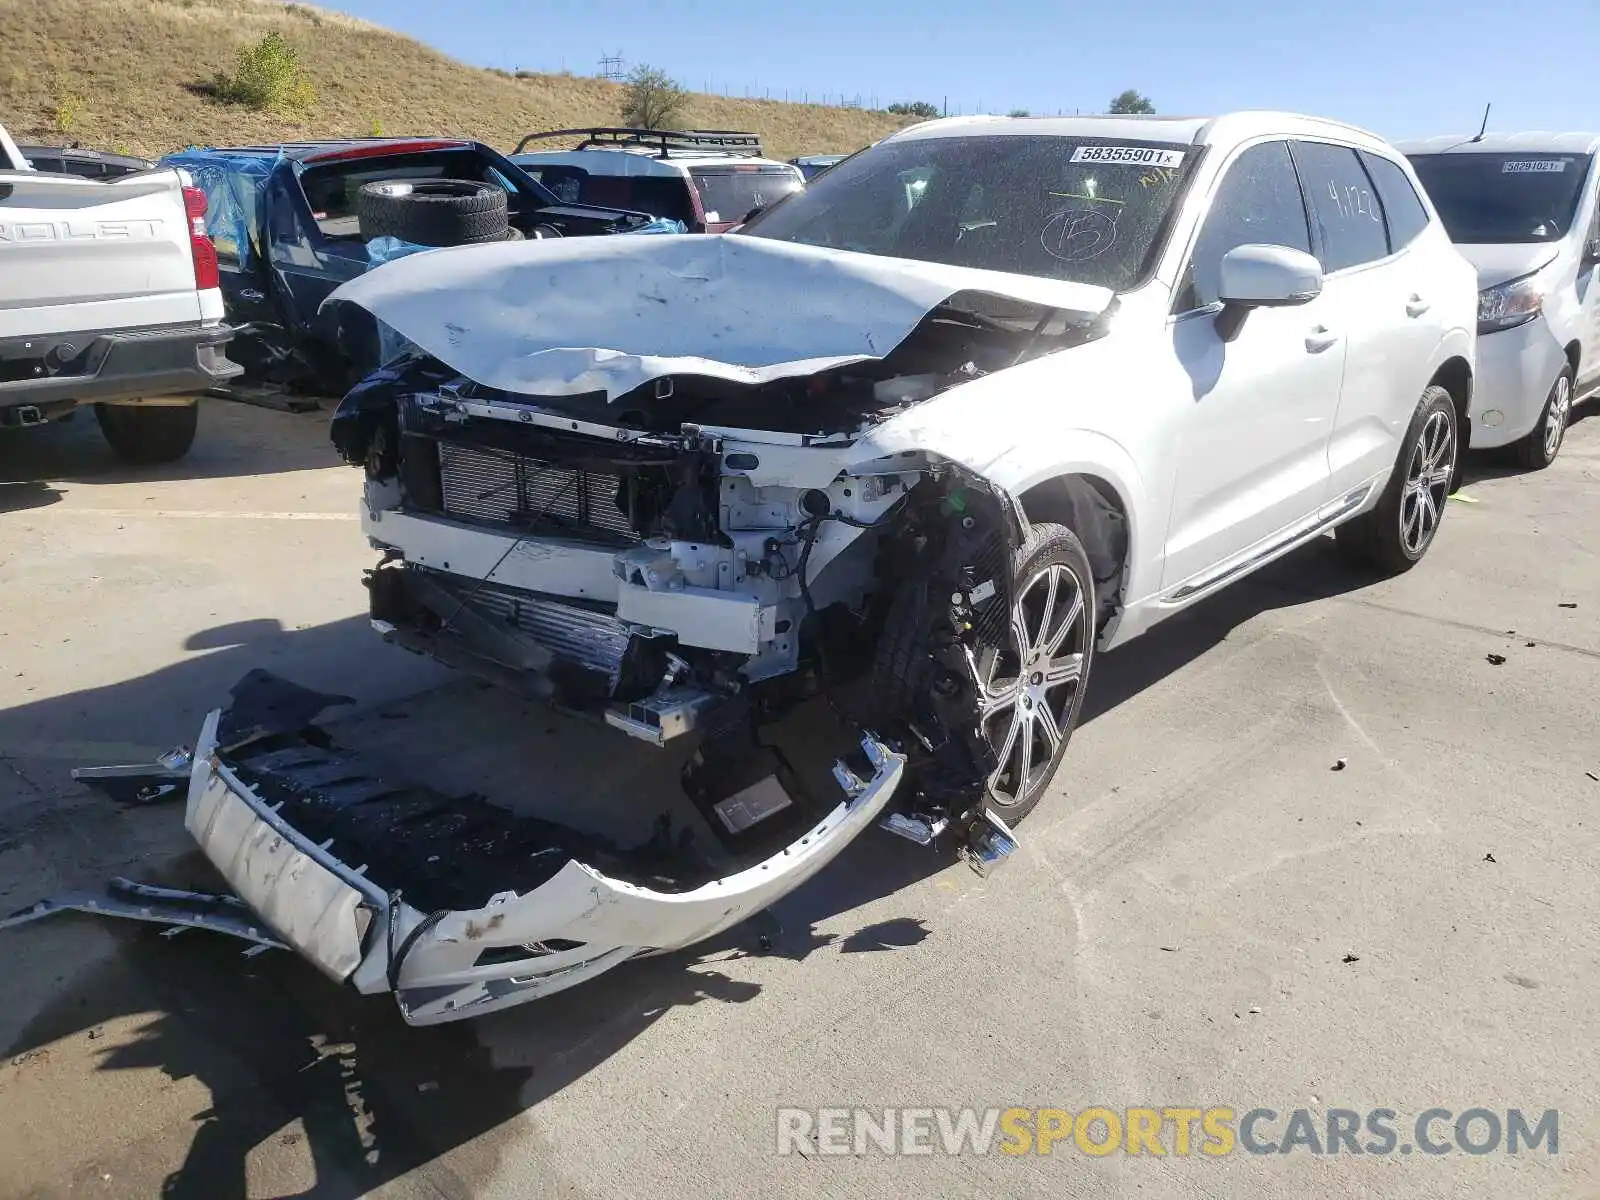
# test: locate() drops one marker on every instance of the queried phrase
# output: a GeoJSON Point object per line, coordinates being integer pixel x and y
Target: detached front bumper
{"type": "Point", "coordinates": [447, 963]}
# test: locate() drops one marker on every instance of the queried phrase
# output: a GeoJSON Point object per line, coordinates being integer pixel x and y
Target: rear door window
{"type": "Point", "coordinates": [1404, 212]}
{"type": "Point", "coordinates": [729, 193]}
{"type": "Point", "coordinates": [1344, 205]}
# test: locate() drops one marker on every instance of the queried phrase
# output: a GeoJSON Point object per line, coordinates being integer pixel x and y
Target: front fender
{"type": "Point", "coordinates": [1017, 465]}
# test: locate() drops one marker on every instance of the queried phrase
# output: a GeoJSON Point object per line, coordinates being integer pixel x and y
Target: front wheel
{"type": "Point", "coordinates": [1395, 535]}
{"type": "Point", "coordinates": [1539, 449]}
{"type": "Point", "coordinates": [147, 434]}
{"type": "Point", "coordinates": [1031, 688]}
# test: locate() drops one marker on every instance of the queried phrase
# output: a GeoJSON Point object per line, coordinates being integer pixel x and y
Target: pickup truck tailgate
{"type": "Point", "coordinates": [82, 254]}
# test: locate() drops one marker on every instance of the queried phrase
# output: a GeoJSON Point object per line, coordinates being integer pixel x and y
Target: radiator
{"type": "Point", "coordinates": [488, 485]}
{"type": "Point", "coordinates": [597, 640]}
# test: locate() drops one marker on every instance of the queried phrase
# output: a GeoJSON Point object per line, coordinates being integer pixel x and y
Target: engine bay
{"type": "Point", "coordinates": [679, 575]}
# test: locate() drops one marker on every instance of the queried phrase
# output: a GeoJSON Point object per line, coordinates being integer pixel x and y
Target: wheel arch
{"type": "Point", "coordinates": [1454, 374]}
{"type": "Point", "coordinates": [1095, 510]}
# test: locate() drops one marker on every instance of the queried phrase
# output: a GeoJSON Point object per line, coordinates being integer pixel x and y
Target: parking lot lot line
{"type": "Point", "coordinates": [189, 514]}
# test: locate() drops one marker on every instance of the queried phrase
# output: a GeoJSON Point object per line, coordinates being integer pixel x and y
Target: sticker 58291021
{"type": "Point", "coordinates": [1133, 156]}
{"type": "Point", "coordinates": [1533, 166]}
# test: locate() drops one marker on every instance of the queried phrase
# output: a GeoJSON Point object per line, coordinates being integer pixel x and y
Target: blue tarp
{"type": "Point", "coordinates": [234, 185]}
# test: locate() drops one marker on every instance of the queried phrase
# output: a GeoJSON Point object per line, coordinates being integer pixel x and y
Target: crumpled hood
{"type": "Point", "coordinates": [564, 317]}
{"type": "Point", "coordinates": [1498, 264]}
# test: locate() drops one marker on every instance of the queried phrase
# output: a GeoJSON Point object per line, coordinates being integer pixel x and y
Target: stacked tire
{"type": "Point", "coordinates": [433, 212]}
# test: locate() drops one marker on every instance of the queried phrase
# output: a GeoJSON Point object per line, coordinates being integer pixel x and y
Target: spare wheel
{"type": "Point", "coordinates": [432, 212]}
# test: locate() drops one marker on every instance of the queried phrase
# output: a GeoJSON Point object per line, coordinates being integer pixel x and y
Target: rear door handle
{"type": "Point", "coordinates": [1319, 339]}
{"type": "Point", "coordinates": [1416, 306]}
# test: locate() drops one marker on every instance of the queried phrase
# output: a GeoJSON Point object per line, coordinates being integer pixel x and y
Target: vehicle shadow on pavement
{"type": "Point", "coordinates": [18, 497]}
{"type": "Point", "coordinates": [1313, 572]}
{"type": "Point", "coordinates": [234, 440]}
{"type": "Point", "coordinates": [320, 1076]}
{"type": "Point", "coordinates": [352, 1097]}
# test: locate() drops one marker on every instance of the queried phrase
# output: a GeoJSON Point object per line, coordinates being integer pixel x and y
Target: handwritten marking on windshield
{"type": "Point", "coordinates": [1079, 234]}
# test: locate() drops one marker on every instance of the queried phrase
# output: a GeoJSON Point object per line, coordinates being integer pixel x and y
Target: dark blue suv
{"type": "Point", "coordinates": [292, 222]}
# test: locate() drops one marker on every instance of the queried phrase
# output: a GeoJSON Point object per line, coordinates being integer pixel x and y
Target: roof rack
{"type": "Point", "coordinates": [662, 141]}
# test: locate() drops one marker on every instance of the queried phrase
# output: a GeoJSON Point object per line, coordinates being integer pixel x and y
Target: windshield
{"type": "Point", "coordinates": [1488, 198]}
{"type": "Point", "coordinates": [1063, 208]}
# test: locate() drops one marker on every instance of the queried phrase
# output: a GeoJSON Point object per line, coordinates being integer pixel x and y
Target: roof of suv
{"type": "Point", "coordinates": [1200, 131]}
{"type": "Point", "coordinates": [335, 148]}
{"type": "Point", "coordinates": [1535, 142]}
{"type": "Point", "coordinates": [649, 151]}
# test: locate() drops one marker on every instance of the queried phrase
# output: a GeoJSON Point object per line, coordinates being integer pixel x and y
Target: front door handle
{"type": "Point", "coordinates": [1319, 339]}
{"type": "Point", "coordinates": [1416, 306]}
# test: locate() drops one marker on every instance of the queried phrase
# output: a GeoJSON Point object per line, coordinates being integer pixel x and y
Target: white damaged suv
{"type": "Point", "coordinates": [867, 483]}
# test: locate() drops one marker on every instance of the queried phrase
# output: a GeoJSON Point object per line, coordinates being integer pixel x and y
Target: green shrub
{"type": "Point", "coordinates": [68, 108]}
{"type": "Point", "coordinates": [652, 99]}
{"type": "Point", "coordinates": [920, 109]}
{"type": "Point", "coordinates": [269, 79]}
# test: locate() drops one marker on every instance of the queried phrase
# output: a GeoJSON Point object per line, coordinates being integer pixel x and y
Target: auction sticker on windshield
{"type": "Point", "coordinates": [1136, 156]}
{"type": "Point", "coordinates": [1535, 166]}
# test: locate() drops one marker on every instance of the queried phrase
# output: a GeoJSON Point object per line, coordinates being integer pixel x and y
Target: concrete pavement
{"type": "Point", "coordinates": [1205, 913]}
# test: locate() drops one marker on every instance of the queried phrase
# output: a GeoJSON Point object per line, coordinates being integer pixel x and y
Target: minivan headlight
{"type": "Point", "coordinates": [1507, 305]}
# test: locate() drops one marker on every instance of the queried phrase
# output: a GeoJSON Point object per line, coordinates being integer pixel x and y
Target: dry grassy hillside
{"type": "Point", "coordinates": [130, 75]}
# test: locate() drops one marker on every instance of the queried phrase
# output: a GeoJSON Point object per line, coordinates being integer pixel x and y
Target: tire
{"type": "Point", "coordinates": [1393, 537]}
{"type": "Point", "coordinates": [432, 212]}
{"type": "Point", "coordinates": [149, 434]}
{"type": "Point", "coordinates": [1053, 600]}
{"type": "Point", "coordinates": [901, 668]}
{"type": "Point", "coordinates": [1539, 449]}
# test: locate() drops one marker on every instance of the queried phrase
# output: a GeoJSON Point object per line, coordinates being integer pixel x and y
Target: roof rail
{"type": "Point", "coordinates": [662, 141]}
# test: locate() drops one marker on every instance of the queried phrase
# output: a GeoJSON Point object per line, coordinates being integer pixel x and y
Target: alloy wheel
{"type": "Point", "coordinates": [1555, 421]}
{"type": "Point", "coordinates": [1027, 690]}
{"type": "Point", "coordinates": [1433, 464]}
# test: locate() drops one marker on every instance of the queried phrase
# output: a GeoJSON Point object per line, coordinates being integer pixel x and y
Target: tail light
{"type": "Point", "coordinates": [204, 253]}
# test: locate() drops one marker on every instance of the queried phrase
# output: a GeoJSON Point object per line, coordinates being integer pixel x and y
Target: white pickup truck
{"type": "Point", "coordinates": [108, 296]}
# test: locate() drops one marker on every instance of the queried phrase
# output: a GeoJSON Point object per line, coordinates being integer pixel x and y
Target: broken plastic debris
{"type": "Point", "coordinates": [1350, 958]}
{"type": "Point", "coordinates": [1495, 660]}
{"type": "Point", "coordinates": [1488, 858]}
{"type": "Point", "coordinates": [1339, 764]}
{"type": "Point", "coordinates": [1463, 498]}
{"type": "Point", "coordinates": [1567, 604]}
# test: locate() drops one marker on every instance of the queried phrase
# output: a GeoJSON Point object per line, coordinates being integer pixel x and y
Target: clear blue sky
{"type": "Point", "coordinates": [1400, 67]}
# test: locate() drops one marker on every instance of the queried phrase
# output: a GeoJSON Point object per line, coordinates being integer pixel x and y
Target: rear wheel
{"type": "Point", "coordinates": [1031, 688]}
{"type": "Point", "coordinates": [146, 434]}
{"type": "Point", "coordinates": [1395, 535]}
{"type": "Point", "coordinates": [1539, 449]}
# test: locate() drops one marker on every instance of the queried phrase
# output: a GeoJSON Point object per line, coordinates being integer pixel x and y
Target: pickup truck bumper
{"type": "Point", "coordinates": [91, 367]}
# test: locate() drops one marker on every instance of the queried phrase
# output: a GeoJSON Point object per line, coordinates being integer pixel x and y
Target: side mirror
{"type": "Point", "coordinates": [1259, 276]}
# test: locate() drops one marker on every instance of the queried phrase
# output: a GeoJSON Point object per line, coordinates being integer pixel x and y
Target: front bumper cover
{"type": "Point", "coordinates": [447, 963]}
